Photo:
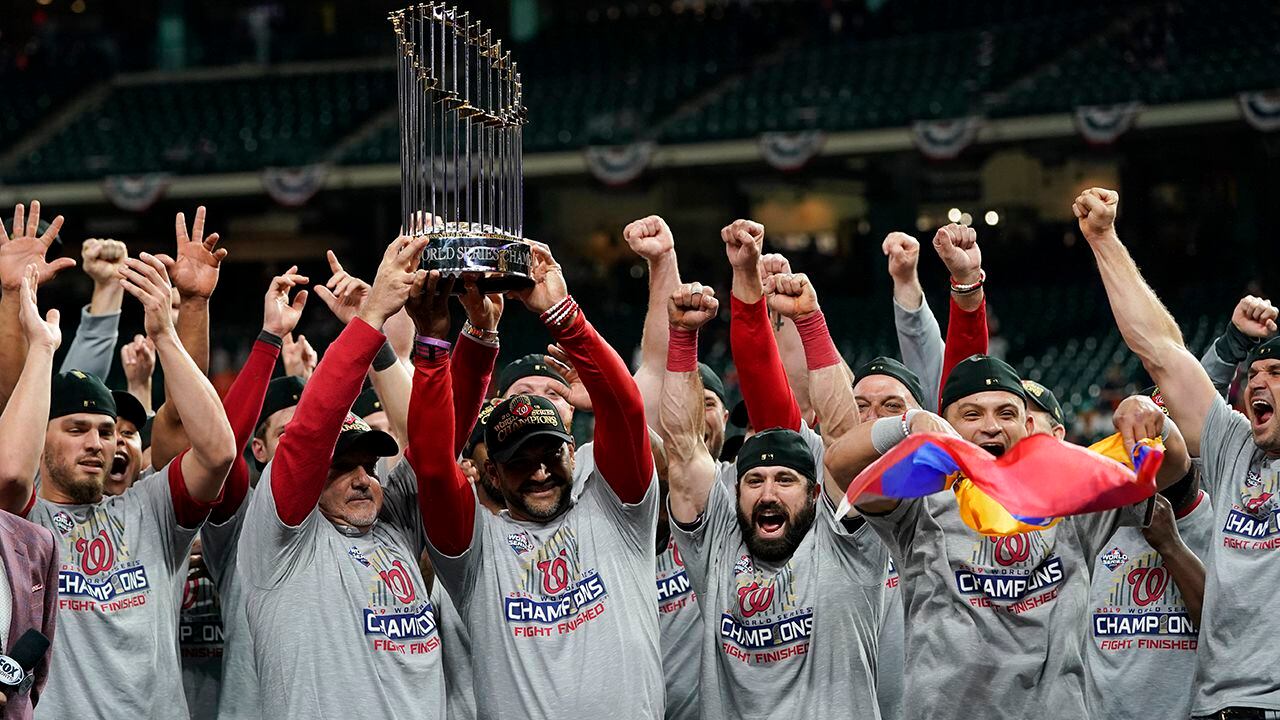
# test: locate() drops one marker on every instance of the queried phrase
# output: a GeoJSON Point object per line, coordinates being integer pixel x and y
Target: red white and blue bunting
{"type": "Point", "coordinates": [1102, 124]}
{"type": "Point", "coordinates": [293, 187]}
{"type": "Point", "coordinates": [945, 139]}
{"type": "Point", "coordinates": [621, 164]}
{"type": "Point", "coordinates": [790, 151]}
{"type": "Point", "coordinates": [135, 193]}
{"type": "Point", "coordinates": [1261, 109]}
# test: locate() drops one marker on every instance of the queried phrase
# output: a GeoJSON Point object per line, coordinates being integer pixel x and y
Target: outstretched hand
{"type": "Point", "coordinates": [195, 272]}
{"type": "Point", "coordinates": [549, 287]}
{"type": "Point", "coordinates": [299, 358]}
{"type": "Point", "coordinates": [25, 248]}
{"type": "Point", "coordinates": [344, 293]}
{"type": "Point", "coordinates": [428, 303]}
{"type": "Point", "coordinates": [279, 315]}
{"type": "Point", "coordinates": [146, 280]}
{"type": "Point", "coordinates": [40, 332]}
{"type": "Point", "coordinates": [483, 311]}
{"type": "Point", "coordinates": [397, 274]}
{"type": "Point", "coordinates": [578, 396]}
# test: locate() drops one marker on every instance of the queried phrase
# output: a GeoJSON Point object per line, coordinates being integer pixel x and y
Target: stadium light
{"type": "Point", "coordinates": [966, 219]}
{"type": "Point", "coordinates": [954, 215]}
{"type": "Point", "coordinates": [992, 217]}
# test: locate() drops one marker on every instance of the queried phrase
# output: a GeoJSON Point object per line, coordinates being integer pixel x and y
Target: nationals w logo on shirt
{"type": "Point", "coordinates": [764, 624]}
{"type": "Point", "coordinates": [98, 572]}
{"type": "Point", "coordinates": [1143, 602]}
{"type": "Point", "coordinates": [559, 593]}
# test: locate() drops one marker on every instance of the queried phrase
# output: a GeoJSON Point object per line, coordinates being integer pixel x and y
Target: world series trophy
{"type": "Point", "coordinates": [461, 160]}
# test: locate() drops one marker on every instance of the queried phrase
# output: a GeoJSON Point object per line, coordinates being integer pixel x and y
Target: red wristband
{"type": "Point", "coordinates": [819, 350]}
{"type": "Point", "coordinates": [682, 350]}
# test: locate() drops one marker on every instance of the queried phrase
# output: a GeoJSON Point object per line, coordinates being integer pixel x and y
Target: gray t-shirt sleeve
{"type": "Point", "coordinates": [897, 528]}
{"type": "Point", "coordinates": [860, 553]}
{"type": "Point", "coordinates": [702, 541]}
{"type": "Point", "coordinates": [920, 342]}
{"type": "Point", "coordinates": [460, 573]}
{"type": "Point", "coordinates": [1095, 529]}
{"type": "Point", "coordinates": [94, 344]}
{"type": "Point", "coordinates": [272, 552]}
{"type": "Point", "coordinates": [1220, 371]}
{"type": "Point", "coordinates": [218, 544]}
{"type": "Point", "coordinates": [400, 504]}
{"type": "Point", "coordinates": [155, 500]}
{"type": "Point", "coordinates": [1224, 435]}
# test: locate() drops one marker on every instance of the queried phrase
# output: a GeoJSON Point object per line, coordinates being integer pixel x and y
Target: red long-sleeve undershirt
{"type": "Point", "coordinates": [621, 438]}
{"type": "Point", "coordinates": [471, 369]}
{"type": "Point", "coordinates": [763, 379]}
{"type": "Point", "coordinates": [302, 460]}
{"type": "Point", "coordinates": [966, 335]}
{"type": "Point", "coordinates": [243, 404]}
{"type": "Point", "coordinates": [445, 498]}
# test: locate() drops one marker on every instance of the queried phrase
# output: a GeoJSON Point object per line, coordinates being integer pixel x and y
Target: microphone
{"type": "Point", "coordinates": [16, 667]}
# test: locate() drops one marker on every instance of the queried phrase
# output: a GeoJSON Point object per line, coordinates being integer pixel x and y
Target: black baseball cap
{"type": "Point", "coordinates": [1043, 398]}
{"type": "Point", "coordinates": [738, 416]}
{"type": "Point", "coordinates": [889, 367]}
{"type": "Point", "coordinates": [778, 446]}
{"type": "Point", "coordinates": [76, 391]}
{"type": "Point", "coordinates": [516, 420]}
{"type": "Point", "coordinates": [283, 392]}
{"type": "Point", "coordinates": [711, 381]}
{"type": "Point", "coordinates": [477, 432]}
{"type": "Point", "coordinates": [527, 366]}
{"type": "Point", "coordinates": [980, 373]}
{"type": "Point", "coordinates": [1263, 351]}
{"type": "Point", "coordinates": [356, 435]}
{"type": "Point", "coordinates": [367, 404]}
{"type": "Point", "coordinates": [129, 408]}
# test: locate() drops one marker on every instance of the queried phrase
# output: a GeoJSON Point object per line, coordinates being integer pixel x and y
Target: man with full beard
{"type": "Point", "coordinates": [123, 556]}
{"type": "Point", "coordinates": [790, 594]}
{"type": "Point", "coordinates": [557, 589]}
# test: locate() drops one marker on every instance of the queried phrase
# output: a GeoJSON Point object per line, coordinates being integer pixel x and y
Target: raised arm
{"type": "Point", "coordinates": [243, 402]}
{"type": "Point", "coordinates": [138, 359]}
{"type": "Point", "coordinates": [194, 274]}
{"type": "Point", "coordinates": [24, 247]}
{"type": "Point", "coordinates": [1249, 326]}
{"type": "Point", "coordinates": [919, 337]}
{"type": "Point", "coordinates": [763, 379]}
{"type": "Point", "coordinates": [1147, 327]}
{"type": "Point", "coordinates": [95, 339]}
{"type": "Point", "coordinates": [473, 357]}
{"type": "Point", "coordinates": [957, 246]}
{"type": "Point", "coordinates": [301, 465]}
{"type": "Point", "coordinates": [622, 451]}
{"type": "Point", "coordinates": [445, 498]}
{"type": "Point", "coordinates": [651, 239]}
{"type": "Point", "coordinates": [1186, 568]}
{"type": "Point", "coordinates": [213, 446]}
{"type": "Point", "coordinates": [691, 471]}
{"type": "Point", "coordinates": [26, 416]}
{"type": "Point", "coordinates": [790, 345]}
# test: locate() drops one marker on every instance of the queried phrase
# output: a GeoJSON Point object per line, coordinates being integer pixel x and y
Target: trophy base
{"type": "Point", "coordinates": [495, 263]}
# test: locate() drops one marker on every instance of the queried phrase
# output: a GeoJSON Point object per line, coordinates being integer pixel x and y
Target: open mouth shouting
{"type": "Point", "coordinates": [770, 521]}
{"type": "Point", "coordinates": [994, 448]}
{"type": "Point", "coordinates": [119, 466]}
{"type": "Point", "coordinates": [1262, 407]}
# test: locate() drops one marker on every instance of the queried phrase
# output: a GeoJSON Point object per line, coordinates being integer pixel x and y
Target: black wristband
{"type": "Point", "coordinates": [271, 339]}
{"type": "Point", "coordinates": [385, 358]}
{"type": "Point", "coordinates": [1233, 346]}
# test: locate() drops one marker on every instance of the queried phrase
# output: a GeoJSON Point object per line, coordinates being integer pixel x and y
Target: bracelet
{"type": "Point", "coordinates": [385, 358]}
{"type": "Point", "coordinates": [1166, 429]}
{"type": "Point", "coordinates": [1233, 346]}
{"type": "Point", "coordinates": [559, 316]}
{"type": "Point", "coordinates": [480, 334]}
{"type": "Point", "coordinates": [959, 289]}
{"type": "Point", "coordinates": [271, 339]}
{"type": "Point", "coordinates": [434, 342]}
{"type": "Point", "coordinates": [429, 348]}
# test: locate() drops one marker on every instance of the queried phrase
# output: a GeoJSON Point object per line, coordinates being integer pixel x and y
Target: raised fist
{"type": "Point", "coordinates": [1095, 209]}
{"type": "Point", "coordinates": [743, 241]}
{"type": "Point", "coordinates": [103, 259]}
{"type": "Point", "coordinates": [903, 252]}
{"type": "Point", "coordinates": [790, 295]}
{"type": "Point", "coordinates": [957, 246]}
{"type": "Point", "coordinates": [1255, 317]}
{"type": "Point", "coordinates": [649, 237]}
{"type": "Point", "coordinates": [691, 306]}
{"type": "Point", "coordinates": [774, 264]}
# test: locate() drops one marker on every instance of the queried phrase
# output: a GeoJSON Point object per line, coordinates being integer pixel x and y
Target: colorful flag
{"type": "Point", "coordinates": [1038, 481]}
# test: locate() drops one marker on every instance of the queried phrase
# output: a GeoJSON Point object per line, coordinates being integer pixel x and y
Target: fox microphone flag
{"type": "Point", "coordinates": [15, 668]}
{"type": "Point", "coordinates": [1037, 482]}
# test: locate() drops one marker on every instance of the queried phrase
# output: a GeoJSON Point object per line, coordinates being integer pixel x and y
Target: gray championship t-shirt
{"type": "Point", "coordinates": [1142, 654]}
{"type": "Point", "coordinates": [200, 642]}
{"type": "Point", "coordinates": [794, 639]}
{"type": "Point", "coordinates": [1240, 621]}
{"type": "Point", "coordinates": [995, 626]}
{"type": "Point", "coordinates": [342, 619]}
{"type": "Point", "coordinates": [680, 630]}
{"type": "Point", "coordinates": [459, 690]}
{"type": "Point", "coordinates": [562, 615]}
{"type": "Point", "coordinates": [889, 668]}
{"type": "Point", "coordinates": [115, 654]}
{"type": "Point", "coordinates": [238, 689]}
